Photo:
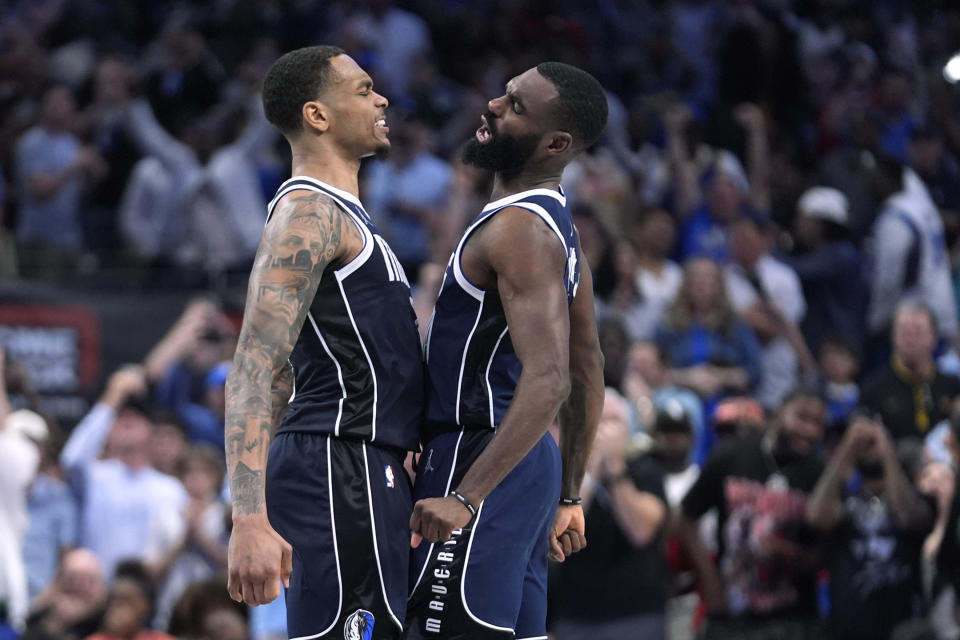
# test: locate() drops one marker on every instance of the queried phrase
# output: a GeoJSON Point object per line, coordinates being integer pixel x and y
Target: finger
{"type": "Point", "coordinates": [556, 552]}
{"type": "Point", "coordinates": [286, 565]}
{"type": "Point", "coordinates": [415, 540]}
{"type": "Point", "coordinates": [416, 522]}
{"type": "Point", "coordinates": [233, 587]}
{"type": "Point", "coordinates": [565, 543]}
{"type": "Point", "coordinates": [248, 592]}
{"type": "Point", "coordinates": [271, 591]}
{"type": "Point", "coordinates": [577, 541]}
{"type": "Point", "coordinates": [259, 592]}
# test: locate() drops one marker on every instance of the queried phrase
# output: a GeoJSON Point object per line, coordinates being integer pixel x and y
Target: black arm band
{"type": "Point", "coordinates": [463, 500]}
{"type": "Point", "coordinates": [568, 502]}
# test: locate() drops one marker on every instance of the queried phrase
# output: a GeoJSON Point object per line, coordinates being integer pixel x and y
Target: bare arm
{"type": "Point", "coordinates": [910, 511]}
{"type": "Point", "coordinates": [676, 119]}
{"type": "Point", "coordinates": [825, 506]}
{"type": "Point", "coordinates": [714, 592]}
{"type": "Point", "coordinates": [754, 122]}
{"type": "Point", "coordinates": [4, 399]}
{"type": "Point", "coordinates": [527, 262]}
{"type": "Point", "coordinates": [307, 234]}
{"type": "Point", "coordinates": [280, 392]}
{"type": "Point", "coordinates": [578, 416]}
{"type": "Point", "coordinates": [640, 514]}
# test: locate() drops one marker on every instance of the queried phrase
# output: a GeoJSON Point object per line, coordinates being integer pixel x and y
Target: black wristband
{"type": "Point", "coordinates": [462, 499]}
{"type": "Point", "coordinates": [570, 502]}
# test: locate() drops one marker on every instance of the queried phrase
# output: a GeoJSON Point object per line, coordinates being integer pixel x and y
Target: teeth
{"type": "Point", "coordinates": [382, 122]}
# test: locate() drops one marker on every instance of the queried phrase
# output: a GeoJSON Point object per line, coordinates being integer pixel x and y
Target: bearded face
{"type": "Point", "coordinates": [502, 153]}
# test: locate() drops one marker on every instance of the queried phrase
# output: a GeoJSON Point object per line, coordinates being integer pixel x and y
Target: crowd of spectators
{"type": "Point", "coordinates": [773, 222]}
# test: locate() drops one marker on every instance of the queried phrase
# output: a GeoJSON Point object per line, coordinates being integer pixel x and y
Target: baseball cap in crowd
{"type": "Point", "coordinates": [672, 417]}
{"type": "Point", "coordinates": [825, 203]}
{"type": "Point", "coordinates": [725, 163]}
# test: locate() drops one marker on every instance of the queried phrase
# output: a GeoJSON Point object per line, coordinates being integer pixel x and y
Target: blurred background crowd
{"type": "Point", "coordinates": [773, 222]}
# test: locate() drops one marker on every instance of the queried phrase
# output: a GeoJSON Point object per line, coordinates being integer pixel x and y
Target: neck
{"type": "Point", "coordinates": [329, 167]}
{"type": "Point", "coordinates": [524, 182]}
{"type": "Point", "coordinates": [919, 367]}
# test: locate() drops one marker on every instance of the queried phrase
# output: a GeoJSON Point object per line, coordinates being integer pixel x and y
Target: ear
{"type": "Point", "coordinates": [560, 142]}
{"type": "Point", "coordinates": [316, 116]}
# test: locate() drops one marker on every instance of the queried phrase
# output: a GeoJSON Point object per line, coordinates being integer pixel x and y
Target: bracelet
{"type": "Point", "coordinates": [463, 500]}
{"type": "Point", "coordinates": [569, 502]}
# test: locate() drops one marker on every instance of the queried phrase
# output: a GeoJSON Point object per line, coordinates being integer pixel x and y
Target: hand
{"type": "Point", "coordinates": [90, 162]}
{"type": "Point", "coordinates": [859, 436]}
{"type": "Point", "coordinates": [126, 382]}
{"type": "Point", "coordinates": [676, 117]}
{"type": "Point", "coordinates": [610, 447]}
{"type": "Point", "coordinates": [568, 533]}
{"type": "Point", "coordinates": [882, 442]}
{"type": "Point", "coordinates": [750, 116]}
{"type": "Point", "coordinates": [704, 379]}
{"type": "Point", "coordinates": [435, 519]}
{"type": "Point", "coordinates": [257, 560]}
{"type": "Point", "coordinates": [193, 517]}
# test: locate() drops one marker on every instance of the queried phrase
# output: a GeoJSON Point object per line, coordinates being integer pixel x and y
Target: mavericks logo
{"type": "Point", "coordinates": [359, 626]}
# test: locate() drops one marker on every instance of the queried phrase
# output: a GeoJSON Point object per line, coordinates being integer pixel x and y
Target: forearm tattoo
{"type": "Point", "coordinates": [304, 236]}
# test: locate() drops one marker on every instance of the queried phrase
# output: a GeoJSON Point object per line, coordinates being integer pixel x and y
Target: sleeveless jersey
{"type": "Point", "coordinates": [472, 369]}
{"type": "Point", "coordinates": [358, 364]}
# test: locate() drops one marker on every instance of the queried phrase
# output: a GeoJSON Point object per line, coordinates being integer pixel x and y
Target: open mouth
{"type": "Point", "coordinates": [484, 134]}
{"type": "Point", "coordinates": [381, 125]}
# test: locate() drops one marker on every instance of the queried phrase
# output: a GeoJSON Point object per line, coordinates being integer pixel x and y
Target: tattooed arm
{"type": "Point", "coordinates": [305, 235]}
{"type": "Point", "coordinates": [280, 393]}
{"type": "Point", "coordinates": [578, 417]}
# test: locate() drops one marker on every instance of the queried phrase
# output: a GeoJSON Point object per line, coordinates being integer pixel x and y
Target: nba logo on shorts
{"type": "Point", "coordinates": [388, 472]}
{"type": "Point", "coordinates": [359, 626]}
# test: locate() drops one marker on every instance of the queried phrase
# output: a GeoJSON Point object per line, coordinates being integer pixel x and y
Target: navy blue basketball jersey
{"type": "Point", "coordinates": [472, 367]}
{"type": "Point", "coordinates": [358, 364]}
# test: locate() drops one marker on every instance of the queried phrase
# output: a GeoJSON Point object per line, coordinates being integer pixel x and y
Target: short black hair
{"type": "Point", "coordinates": [296, 78]}
{"type": "Point", "coordinates": [580, 107]}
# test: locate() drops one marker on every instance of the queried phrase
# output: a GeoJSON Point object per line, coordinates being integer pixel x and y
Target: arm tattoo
{"type": "Point", "coordinates": [574, 437]}
{"type": "Point", "coordinates": [280, 392]}
{"type": "Point", "coordinates": [305, 235]}
{"type": "Point", "coordinates": [246, 486]}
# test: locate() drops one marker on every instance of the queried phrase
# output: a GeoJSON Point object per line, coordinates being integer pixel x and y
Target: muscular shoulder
{"type": "Point", "coordinates": [517, 234]}
{"type": "Point", "coordinates": [315, 226]}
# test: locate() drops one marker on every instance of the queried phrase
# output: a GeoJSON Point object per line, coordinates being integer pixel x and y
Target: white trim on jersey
{"type": "Point", "coordinates": [463, 358]}
{"type": "Point", "coordinates": [373, 371]}
{"type": "Point", "coordinates": [534, 638]}
{"type": "Point", "coordinates": [463, 575]}
{"type": "Point", "coordinates": [391, 272]}
{"type": "Point", "coordinates": [516, 197]}
{"type": "Point", "coordinates": [343, 388]}
{"type": "Point", "coordinates": [376, 545]}
{"type": "Point", "coordinates": [364, 254]}
{"type": "Point", "coordinates": [336, 553]}
{"type": "Point", "coordinates": [493, 354]}
{"type": "Point", "coordinates": [293, 384]}
{"type": "Point", "coordinates": [345, 195]}
{"type": "Point", "coordinates": [453, 469]}
{"type": "Point", "coordinates": [540, 211]}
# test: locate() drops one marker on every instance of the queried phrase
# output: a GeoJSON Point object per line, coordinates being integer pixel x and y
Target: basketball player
{"type": "Point", "coordinates": [513, 340]}
{"type": "Point", "coordinates": [328, 317]}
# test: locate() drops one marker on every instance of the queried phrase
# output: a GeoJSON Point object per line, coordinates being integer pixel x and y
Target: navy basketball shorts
{"type": "Point", "coordinates": [489, 581]}
{"type": "Point", "coordinates": [344, 506]}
